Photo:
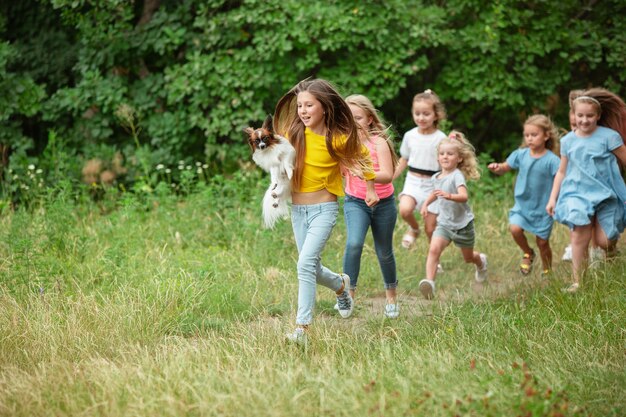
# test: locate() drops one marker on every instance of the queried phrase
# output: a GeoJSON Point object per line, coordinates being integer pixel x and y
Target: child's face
{"type": "Point", "coordinates": [361, 117]}
{"type": "Point", "coordinates": [586, 118]}
{"type": "Point", "coordinates": [448, 157]}
{"type": "Point", "coordinates": [311, 112]}
{"type": "Point", "coordinates": [424, 116]}
{"type": "Point", "coordinates": [535, 137]}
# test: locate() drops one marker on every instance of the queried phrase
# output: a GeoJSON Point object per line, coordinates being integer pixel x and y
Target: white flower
{"type": "Point", "coordinates": [160, 167]}
{"type": "Point", "coordinates": [39, 171]}
{"type": "Point", "coordinates": [205, 166]}
{"type": "Point", "coordinates": [167, 170]}
{"type": "Point", "coordinates": [31, 167]}
{"type": "Point", "coordinates": [181, 167]}
{"type": "Point", "coordinates": [188, 167]}
{"type": "Point", "coordinates": [199, 170]}
{"type": "Point", "coordinates": [198, 164]}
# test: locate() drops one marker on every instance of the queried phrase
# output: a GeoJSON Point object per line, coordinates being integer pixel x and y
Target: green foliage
{"type": "Point", "coordinates": [197, 72]}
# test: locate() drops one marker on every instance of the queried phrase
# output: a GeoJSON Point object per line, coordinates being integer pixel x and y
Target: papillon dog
{"type": "Point", "coordinates": [274, 154]}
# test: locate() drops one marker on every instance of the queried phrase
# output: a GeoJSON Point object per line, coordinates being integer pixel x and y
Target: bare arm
{"type": "Point", "coordinates": [371, 198]}
{"type": "Point", "coordinates": [385, 173]}
{"type": "Point", "coordinates": [620, 153]}
{"type": "Point", "coordinates": [402, 164]}
{"type": "Point", "coordinates": [459, 197]}
{"type": "Point", "coordinates": [499, 168]}
{"type": "Point", "coordinates": [556, 185]}
{"type": "Point", "coordinates": [424, 209]}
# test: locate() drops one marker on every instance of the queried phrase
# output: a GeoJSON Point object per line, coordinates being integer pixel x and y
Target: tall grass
{"type": "Point", "coordinates": [180, 307]}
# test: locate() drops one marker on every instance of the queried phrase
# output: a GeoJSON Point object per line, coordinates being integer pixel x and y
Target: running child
{"type": "Point", "coordinates": [320, 126]}
{"type": "Point", "coordinates": [418, 152]}
{"type": "Point", "coordinates": [537, 166]}
{"type": "Point", "coordinates": [359, 217]}
{"type": "Point", "coordinates": [455, 222]}
{"type": "Point", "coordinates": [589, 194]}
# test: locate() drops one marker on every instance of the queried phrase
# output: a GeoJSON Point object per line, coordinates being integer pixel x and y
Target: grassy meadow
{"type": "Point", "coordinates": [167, 306]}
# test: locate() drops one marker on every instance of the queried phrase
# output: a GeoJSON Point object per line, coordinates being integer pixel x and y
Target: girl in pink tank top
{"type": "Point", "coordinates": [359, 217]}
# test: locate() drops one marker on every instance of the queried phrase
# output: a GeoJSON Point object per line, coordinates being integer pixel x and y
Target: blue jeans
{"type": "Point", "coordinates": [312, 225]}
{"type": "Point", "coordinates": [382, 219]}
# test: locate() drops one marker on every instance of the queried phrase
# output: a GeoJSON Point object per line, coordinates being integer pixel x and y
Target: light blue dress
{"type": "Point", "coordinates": [532, 191]}
{"type": "Point", "coordinates": [592, 185]}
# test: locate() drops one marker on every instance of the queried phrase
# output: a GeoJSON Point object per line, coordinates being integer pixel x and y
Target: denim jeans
{"type": "Point", "coordinates": [312, 225]}
{"type": "Point", "coordinates": [382, 219]}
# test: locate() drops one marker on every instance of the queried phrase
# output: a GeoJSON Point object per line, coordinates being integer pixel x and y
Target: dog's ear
{"type": "Point", "coordinates": [248, 131]}
{"type": "Point", "coordinates": [268, 124]}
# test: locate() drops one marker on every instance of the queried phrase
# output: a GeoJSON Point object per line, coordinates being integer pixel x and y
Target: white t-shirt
{"type": "Point", "coordinates": [421, 150]}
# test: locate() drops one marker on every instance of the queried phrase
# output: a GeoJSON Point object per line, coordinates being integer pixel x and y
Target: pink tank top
{"type": "Point", "coordinates": [356, 187]}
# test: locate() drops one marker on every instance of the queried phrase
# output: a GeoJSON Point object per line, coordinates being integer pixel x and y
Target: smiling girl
{"type": "Point", "coordinates": [589, 195]}
{"type": "Point", "coordinates": [455, 222]}
{"type": "Point", "coordinates": [537, 165]}
{"type": "Point", "coordinates": [321, 127]}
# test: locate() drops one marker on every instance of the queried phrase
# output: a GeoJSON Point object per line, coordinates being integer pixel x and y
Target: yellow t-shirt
{"type": "Point", "coordinates": [320, 169]}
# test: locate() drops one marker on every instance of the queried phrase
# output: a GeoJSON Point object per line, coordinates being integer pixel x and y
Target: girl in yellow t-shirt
{"type": "Point", "coordinates": [320, 126]}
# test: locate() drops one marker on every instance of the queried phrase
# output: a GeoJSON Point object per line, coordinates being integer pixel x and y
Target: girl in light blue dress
{"type": "Point", "coordinates": [589, 194]}
{"type": "Point", "coordinates": [537, 166]}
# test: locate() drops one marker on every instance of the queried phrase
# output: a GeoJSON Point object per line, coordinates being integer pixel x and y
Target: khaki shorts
{"type": "Point", "coordinates": [462, 238]}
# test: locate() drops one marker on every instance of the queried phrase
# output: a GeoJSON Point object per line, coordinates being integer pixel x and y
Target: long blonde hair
{"type": "Point", "coordinates": [468, 164]}
{"type": "Point", "coordinates": [338, 121]}
{"type": "Point", "coordinates": [378, 126]}
{"type": "Point", "coordinates": [544, 123]}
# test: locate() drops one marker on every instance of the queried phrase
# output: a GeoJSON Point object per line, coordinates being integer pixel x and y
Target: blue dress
{"type": "Point", "coordinates": [532, 191]}
{"type": "Point", "coordinates": [592, 185]}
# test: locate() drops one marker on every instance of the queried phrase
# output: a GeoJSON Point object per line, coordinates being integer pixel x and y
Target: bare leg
{"type": "Point", "coordinates": [580, 238]}
{"type": "Point", "coordinates": [437, 245]}
{"type": "Point", "coordinates": [430, 223]}
{"type": "Point", "coordinates": [546, 253]}
{"type": "Point", "coordinates": [391, 295]}
{"type": "Point", "coordinates": [406, 207]}
{"type": "Point", "coordinates": [520, 238]}
{"type": "Point", "coordinates": [470, 256]}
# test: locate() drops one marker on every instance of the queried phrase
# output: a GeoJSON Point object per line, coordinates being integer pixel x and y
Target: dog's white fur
{"type": "Point", "coordinates": [279, 160]}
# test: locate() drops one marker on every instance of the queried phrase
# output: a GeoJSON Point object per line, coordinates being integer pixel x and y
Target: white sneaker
{"type": "Point", "coordinates": [571, 289]}
{"type": "Point", "coordinates": [596, 255]}
{"type": "Point", "coordinates": [427, 288]}
{"type": "Point", "coordinates": [567, 254]}
{"type": "Point", "coordinates": [392, 310]}
{"type": "Point", "coordinates": [439, 269]}
{"type": "Point", "coordinates": [298, 336]}
{"type": "Point", "coordinates": [344, 301]}
{"type": "Point", "coordinates": [481, 273]}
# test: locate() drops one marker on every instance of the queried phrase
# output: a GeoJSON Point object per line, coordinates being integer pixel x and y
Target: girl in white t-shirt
{"type": "Point", "coordinates": [418, 152]}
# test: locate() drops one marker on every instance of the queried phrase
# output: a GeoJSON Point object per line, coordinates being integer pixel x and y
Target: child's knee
{"type": "Point", "coordinates": [543, 245]}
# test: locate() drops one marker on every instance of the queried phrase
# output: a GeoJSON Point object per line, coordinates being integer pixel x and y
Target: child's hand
{"type": "Point", "coordinates": [550, 207]}
{"type": "Point", "coordinates": [442, 194]}
{"type": "Point", "coordinates": [494, 167]}
{"type": "Point", "coordinates": [424, 211]}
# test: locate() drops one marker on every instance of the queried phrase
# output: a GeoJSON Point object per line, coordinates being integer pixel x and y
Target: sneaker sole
{"type": "Point", "coordinates": [427, 290]}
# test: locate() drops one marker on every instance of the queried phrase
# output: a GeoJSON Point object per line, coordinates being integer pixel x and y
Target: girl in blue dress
{"type": "Point", "coordinates": [588, 188]}
{"type": "Point", "coordinates": [537, 166]}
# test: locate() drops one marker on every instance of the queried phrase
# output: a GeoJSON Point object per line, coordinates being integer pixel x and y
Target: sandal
{"type": "Point", "coordinates": [527, 263]}
{"type": "Point", "coordinates": [409, 237]}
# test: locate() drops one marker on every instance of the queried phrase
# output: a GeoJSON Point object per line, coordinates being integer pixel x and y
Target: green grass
{"type": "Point", "coordinates": [179, 308]}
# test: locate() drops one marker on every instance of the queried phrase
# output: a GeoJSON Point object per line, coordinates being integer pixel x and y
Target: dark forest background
{"type": "Point", "coordinates": [137, 84]}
